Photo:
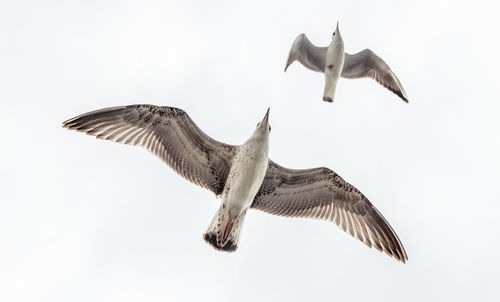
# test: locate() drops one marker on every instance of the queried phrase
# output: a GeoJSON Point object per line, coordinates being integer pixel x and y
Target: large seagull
{"type": "Point", "coordinates": [242, 176]}
{"type": "Point", "coordinates": [335, 63]}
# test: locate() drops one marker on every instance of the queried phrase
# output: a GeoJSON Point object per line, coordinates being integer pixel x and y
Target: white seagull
{"type": "Point", "coordinates": [242, 176]}
{"type": "Point", "coordinates": [335, 63]}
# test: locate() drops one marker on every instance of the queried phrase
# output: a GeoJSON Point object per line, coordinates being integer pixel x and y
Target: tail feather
{"type": "Point", "coordinates": [222, 233]}
{"type": "Point", "coordinates": [330, 87]}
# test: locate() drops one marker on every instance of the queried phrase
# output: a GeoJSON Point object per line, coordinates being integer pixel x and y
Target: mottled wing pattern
{"type": "Point", "coordinates": [321, 193]}
{"type": "Point", "coordinates": [367, 64]}
{"type": "Point", "coordinates": [167, 132]}
{"type": "Point", "coordinates": [305, 52]}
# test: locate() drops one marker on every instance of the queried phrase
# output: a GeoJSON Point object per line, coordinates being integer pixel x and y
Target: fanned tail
{"type": "Point", "coordinates": [224, 233]}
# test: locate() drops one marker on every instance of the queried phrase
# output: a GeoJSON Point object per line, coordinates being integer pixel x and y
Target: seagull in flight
{"type": "Point", "coordinates": [335, 63]}
{"type": "Point", "coordinates": [241, 175]}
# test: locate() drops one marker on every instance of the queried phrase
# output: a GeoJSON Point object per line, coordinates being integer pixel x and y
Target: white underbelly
{"type": "Point", "coordinates": [244, 180]}
{"type": "Point", "coordinates": [333, 69]}
{"type": "Point", "coordinates": [334, 61]}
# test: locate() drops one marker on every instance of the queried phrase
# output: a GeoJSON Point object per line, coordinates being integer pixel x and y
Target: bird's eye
{"type": "Point", "coordinates": [269, 128]}
{"type": "Point", "coordinates": [258, 124]}
{"type": "Point", "coordinates": [333, 34]}
{"type": "Point", "coordinates": [330, 66]}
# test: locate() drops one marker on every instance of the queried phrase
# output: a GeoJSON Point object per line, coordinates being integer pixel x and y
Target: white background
{"type": "Point", "coordinates": [89, 220]}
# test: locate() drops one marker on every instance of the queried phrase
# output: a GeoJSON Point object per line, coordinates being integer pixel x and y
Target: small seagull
{"type": "Point", "coordinates": [334, 63]}
{"type": "Point", "coordinates": [242, 176]}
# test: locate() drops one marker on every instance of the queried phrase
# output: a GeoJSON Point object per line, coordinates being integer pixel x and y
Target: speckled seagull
{"type": "Point", "coordinates": [242, 176]}
{"type": "Point", "coordinates": [335, 63]}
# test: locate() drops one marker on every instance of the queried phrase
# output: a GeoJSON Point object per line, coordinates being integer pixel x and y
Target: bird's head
{"type": "Point", "coordinates": [336, 34]}
{"type": "Point", "coordinates": [263, 126]}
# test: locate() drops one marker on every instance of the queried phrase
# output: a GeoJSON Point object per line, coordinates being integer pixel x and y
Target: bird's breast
{"type": "Point", "coordinates": [334, 58]}
{"type": "Point", "coordinates": [245, 177]}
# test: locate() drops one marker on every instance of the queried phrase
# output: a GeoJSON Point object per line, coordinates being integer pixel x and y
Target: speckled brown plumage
{"type": "Point", "coordinates": [317, 193]}
{"type": "Point", "coordinates": [321, 193]}
{"type": "Point", "coordinates": [169, 133]}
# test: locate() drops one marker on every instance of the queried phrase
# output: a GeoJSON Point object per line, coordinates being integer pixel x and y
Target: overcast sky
{"type": "Point", "coordinates": [89, 220]}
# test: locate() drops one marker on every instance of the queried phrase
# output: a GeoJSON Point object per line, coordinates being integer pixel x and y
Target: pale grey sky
{"type": "Point", "coordinates": [89, 220]}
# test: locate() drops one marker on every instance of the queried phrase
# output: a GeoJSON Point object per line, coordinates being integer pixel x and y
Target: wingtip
{"type": "Point", "coordinates": [404, 96]}
{"type": "Point", "coordinates": [289, 61]}
{"type": "Point", "coordinates": [67, 124]}
{"type": "Point", "coordinates": [399, 255]}
{"type": "Point", "coordinates": [400, 93]}
{"type": "Point", "coordinates": [403, 259]}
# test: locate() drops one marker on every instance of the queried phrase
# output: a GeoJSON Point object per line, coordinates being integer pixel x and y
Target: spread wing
{"type": "Point", "coordinates": [367, 64]}
{"type": "Point", "coordinates": [305, 52]}
{"type": "Point", "coordinates": [169, 133]}
{"type": "Point", "coordinates": [321, 193]}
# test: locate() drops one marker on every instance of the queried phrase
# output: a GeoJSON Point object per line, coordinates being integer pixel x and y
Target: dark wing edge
{"type": "Point", "coordinates": [322, 194]}
{"type": "Point", "coordinates": [367, 64]}
{"type": "Point", "coordinates": [167, 132]}
{"type": "Point", "coordinates": [308, 54]}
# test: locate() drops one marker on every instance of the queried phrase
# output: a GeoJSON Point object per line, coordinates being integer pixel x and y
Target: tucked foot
{"type": "Point", "coordinates": [327, 99]}
{"type": "Point", "coordinates": [211, 238]}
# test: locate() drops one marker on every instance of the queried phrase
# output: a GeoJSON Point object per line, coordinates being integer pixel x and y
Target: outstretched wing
{"type": "Point", "coordinates": [321, 193]}
{"type": "Point", "coordinates": [169, 133]}
{"type": "Point", "coordinates": [367, 64]}
{"type": "Point", "coordinates": [305, 52]}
